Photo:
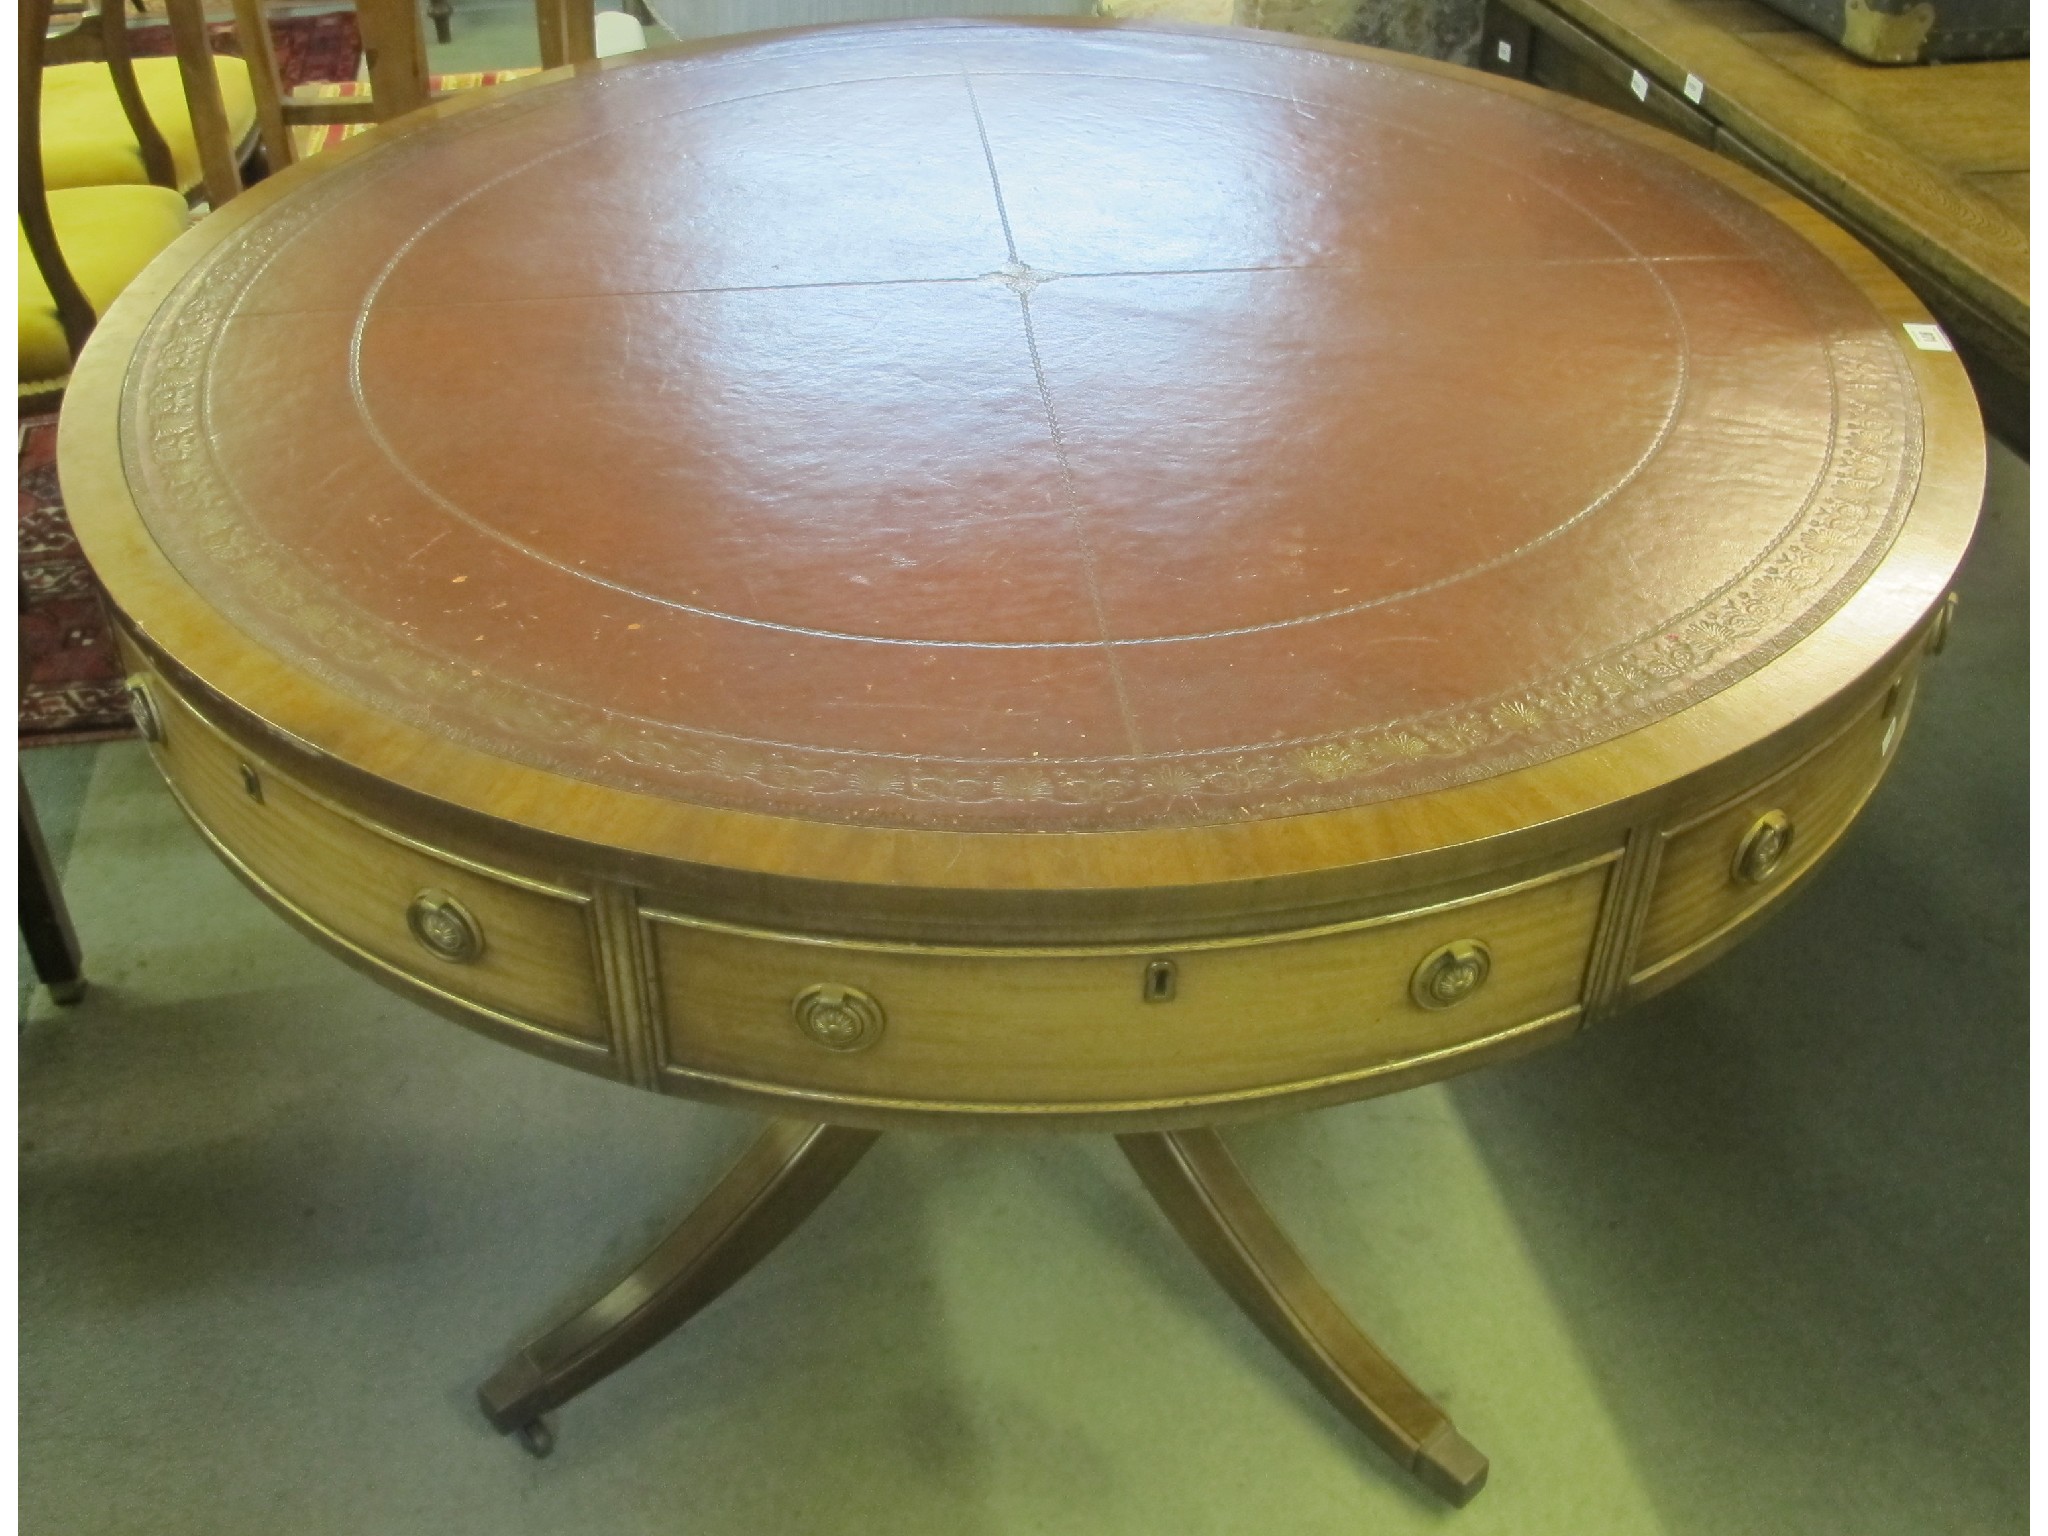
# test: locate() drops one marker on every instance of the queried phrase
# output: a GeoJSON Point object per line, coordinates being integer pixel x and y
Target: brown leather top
{"type": "Point", "coordinates": [1014, 427]}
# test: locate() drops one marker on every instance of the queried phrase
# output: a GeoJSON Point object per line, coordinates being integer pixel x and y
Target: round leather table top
{"type": "Point", "coordinates": [1006, 427]}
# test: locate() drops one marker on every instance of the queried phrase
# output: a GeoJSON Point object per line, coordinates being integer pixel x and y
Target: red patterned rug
{"type": "Point", "coordinates": [70, 672]}
{"type": "Point", "coordinates": [309, 48]}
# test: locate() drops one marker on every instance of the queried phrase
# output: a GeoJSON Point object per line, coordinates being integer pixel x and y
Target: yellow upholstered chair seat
{"type": "Point", "coordinates": [108, 235]}
{"type": "Point", "coordinates": [86, 138]}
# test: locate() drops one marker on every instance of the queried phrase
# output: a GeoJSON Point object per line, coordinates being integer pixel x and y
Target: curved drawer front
{"type": "Point", "coordinates": [596, 973]}
{"type": "Point", "coordinates": [519, 952]}
{"type": "Point", "coordinates": [1718, 869]}
{"type": "Point", "coordinates": [996, 1028]}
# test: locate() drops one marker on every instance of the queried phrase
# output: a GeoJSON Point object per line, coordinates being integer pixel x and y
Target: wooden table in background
{"type": "Point", "coordinates": [1926, 164]}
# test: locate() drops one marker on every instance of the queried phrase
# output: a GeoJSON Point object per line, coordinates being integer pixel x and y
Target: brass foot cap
{"type": "Point", "coordinates": [1451, 1466]}
{"type": "Point", "coordinates": [515, 1397]}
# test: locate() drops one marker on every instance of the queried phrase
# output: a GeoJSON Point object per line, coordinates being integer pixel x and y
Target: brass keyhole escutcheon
{"type": "Point", "coordinates": [1763, 848]}
{"type": "Point", "coordinates": [444, 927]}
{"type": "Point", "coordinates": [1162, 979]}
{"type": "Point", "coordinates": [142, 706]}
{"type": "Point", "coordinates": [839, 1018]}
{"type": "Point", "coordinates": [1449, 975]}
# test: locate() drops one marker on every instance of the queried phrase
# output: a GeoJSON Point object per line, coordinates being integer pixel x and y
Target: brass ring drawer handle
{"type": "Point", "coordinates": [1763, 848]}
{"type": "Point", "coordinates": [1449, 975]}
{"type": "Point", "coordinates": [839, 1018]}
{"type": "Point", "coordinates": [149, 723]}
{"type": "Point", "coordinates": [1898, 705]}
{"type": "Point", "coordinates": [445, 927]}
{"type": "Point", "coordinates": [1944, 621]}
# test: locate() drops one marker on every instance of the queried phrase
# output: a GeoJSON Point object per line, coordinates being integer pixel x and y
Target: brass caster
{"type": "Point", "coordinates": [538, 1439]}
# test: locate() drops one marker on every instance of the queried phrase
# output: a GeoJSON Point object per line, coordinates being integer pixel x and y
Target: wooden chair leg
{"type": "Point", "coordinates": [778, 1181]}
{"type": "Point", "coordinates": [1199, 1186]}
{"type": "Point", "coordinates": [46, 929]}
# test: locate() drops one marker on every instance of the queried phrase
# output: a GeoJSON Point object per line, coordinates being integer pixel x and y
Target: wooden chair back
{"type": "Point", "coordinates": [73, 312]}
{"type": "Point", "coordinates": [104, 37]}
{"type": "Point", "coordinates": [101, 37]}
{"type": "Point", "coordinates": [395, 51]}
{"type": "Point", "coordinates": [218, 160]}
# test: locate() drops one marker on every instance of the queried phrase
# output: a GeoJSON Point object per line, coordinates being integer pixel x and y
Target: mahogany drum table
{"type": "Point", "coordinates": [1040, 575]}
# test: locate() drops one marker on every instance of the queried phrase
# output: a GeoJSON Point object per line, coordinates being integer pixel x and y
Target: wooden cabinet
{"type": "Point", "coordinates": [1529, 41]}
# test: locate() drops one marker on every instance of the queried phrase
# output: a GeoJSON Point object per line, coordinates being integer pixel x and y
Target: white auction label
{"type": "Point", "coordinates": [1503, 52]}
{"type": "Point", "coordinates": [1640, 84]}
{"type": "Point", "coordinates": [1695, 89]}
{"type": "Point", "coordinates": [1929, 338]}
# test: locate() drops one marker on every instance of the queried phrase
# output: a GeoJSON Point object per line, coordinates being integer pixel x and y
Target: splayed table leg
{"type": "Point", "coordinates": [1193, 1177]}
{"type": "Point", "coordinates": [779, 1180]}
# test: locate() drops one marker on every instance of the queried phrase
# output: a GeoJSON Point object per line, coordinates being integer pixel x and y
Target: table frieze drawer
{"type": "Point", "coordinates": [1075, 1028]}
{"type": "Point", "coordinates": [512, 953]}
{"type": "Point", "coordinates": [1719, 869]}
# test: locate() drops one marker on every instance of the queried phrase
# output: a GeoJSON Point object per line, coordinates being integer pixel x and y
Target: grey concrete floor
{"type": "Point", "coordinates": [1751, 1259]}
